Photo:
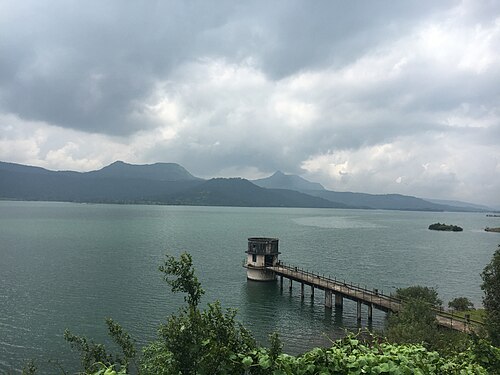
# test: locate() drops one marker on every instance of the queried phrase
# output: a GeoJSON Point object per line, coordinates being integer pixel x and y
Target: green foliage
{"type": "Point", "coordinates": [124, 341]}
{"type": "Point", "coordinates": [483, 353]}
{"type": "Point", "coordinates": [179, 274]}
{"type": "Point", "coordinates": [491, 299]}
{"type": "Point", "coordinates": [461, 304]}
{"type": "Point", "coordinates": [477, 314]}
{"type": "Point", "coordinates": [93, 356]}
{"type": "Point", "coordinates": [103, 369]}
{"type": "Point", "coordinates": [29, 368]}
{"type": "Point", "coordinates": [275, 346]}
{"type": "Point", "coordinates": [195, 341]}
{"type": "Point", "coordinates": [91, 353]}
{"type": "Point", "coordinates": [423, 294]}
{"type": "Point", "coordinates": [415, 323]}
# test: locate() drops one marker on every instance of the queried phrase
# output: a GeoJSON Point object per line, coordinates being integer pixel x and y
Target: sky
{"type": "Point", "coordinates": [366, 96]}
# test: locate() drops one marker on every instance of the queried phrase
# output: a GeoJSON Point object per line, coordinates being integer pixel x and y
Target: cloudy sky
{"type": "Point", "coordinates": [371, 96]}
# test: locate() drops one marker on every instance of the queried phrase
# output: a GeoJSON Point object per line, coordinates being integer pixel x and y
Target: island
{"type": "Point", "coordinates": [496, 230]}
{"type": "Point", "coordinates": [445, 227]}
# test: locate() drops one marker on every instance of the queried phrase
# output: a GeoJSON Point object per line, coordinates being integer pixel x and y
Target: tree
{"type": "Point", "coordinates": [491, 299]}
{"type": "Point", "coordinates": [195, 341]}
{"type": "Point", "coordinates": [461, 304]}
{"type": "Point", "coordinates": [94, 355]}
{"type": "Point", "coordinates": [415, 323]}
{"type": "Point", "coordinates": [422, 293]}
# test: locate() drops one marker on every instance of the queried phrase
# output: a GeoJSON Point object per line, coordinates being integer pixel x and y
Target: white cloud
{"type": "Point", "coordinates": [406, 100]}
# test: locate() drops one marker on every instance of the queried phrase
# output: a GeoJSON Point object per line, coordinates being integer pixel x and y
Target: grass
{"type": "Point", "coordinates": [477, 315]}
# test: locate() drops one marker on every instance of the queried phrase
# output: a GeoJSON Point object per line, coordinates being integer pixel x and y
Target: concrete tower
{"type": "Point", "coordinates": [262, 253]}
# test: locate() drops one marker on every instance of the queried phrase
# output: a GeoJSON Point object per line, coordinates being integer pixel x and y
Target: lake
{"type": "Point", "coordinates": [65, 265]}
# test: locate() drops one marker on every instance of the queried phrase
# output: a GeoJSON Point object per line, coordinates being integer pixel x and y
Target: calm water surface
{"type": "Point", "coordinates": [70, 266]}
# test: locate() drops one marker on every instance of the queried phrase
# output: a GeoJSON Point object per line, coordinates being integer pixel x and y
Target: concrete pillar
{"type": "Point", "coordinates": [339, 301]}
{"type": "Point", "coordinates": [281, 282]}
{"type": "Point", "coordinates": [290, 284]}
{"type": "Point", "coordinates": [312, 291]}
{"type": "Point", "coordinates": [370, 312]}
{"type": "Point", "coordinates": [328, 299]}
{"type": "Point", "coordinates": [302, 290]}
{"type": "Point", "coordinates": [358, 312]}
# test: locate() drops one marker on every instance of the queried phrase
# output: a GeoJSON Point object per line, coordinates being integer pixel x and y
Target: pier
{"type": "Point", "coordinates": [335, 291]}
{"type": "Point", "coordinates": [262, 264]}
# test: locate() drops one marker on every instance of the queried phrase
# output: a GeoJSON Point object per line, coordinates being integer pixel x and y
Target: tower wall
{"type": "Point", "coordinates": [262, 253]}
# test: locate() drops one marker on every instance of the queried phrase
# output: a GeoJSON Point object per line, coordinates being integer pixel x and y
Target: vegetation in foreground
{"type": "Point", "coordinates": [211, 341]}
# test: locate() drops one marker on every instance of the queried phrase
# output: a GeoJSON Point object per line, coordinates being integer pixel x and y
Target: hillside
{"type": "Point", "coordinates": [157, 171]}
{"type": "Point", "coordinates": [383, 201]}
{"type": "Point", "coordinates": [170, 183]}
{"type": "Point", "coordinates": [279, 180]}
{"type": "Point", "coordinates": [161, 183]}
{"type": "Point", "coordinates": [241, 192]}
{"type": "Point", "coordinates": [34, 183]}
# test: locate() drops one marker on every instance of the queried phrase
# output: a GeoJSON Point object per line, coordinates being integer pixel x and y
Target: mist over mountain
{"type": "Point", "coordinates": [157, 171]}
{"type": "Point", "coordinates": [170, 183]}
{"type": "Point", "coordinates": [279, 180]}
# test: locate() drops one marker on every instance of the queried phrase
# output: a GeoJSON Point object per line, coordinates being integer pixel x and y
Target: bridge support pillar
{"type": "Point", "coordinates": [281, 282]}
{"type": "Point", "coordinates": [370, 312]}
{"type": "Point", "coordinates": [339, 301]}
{"type": "Point", "coordinates": [302, 290]}
{"type": "Point", "coordinates": [312, 291]}
{"type": "Point", "coordinates": [358, 311]}
{"type": "Point", "coordinates": [328, 299]}
{"type": "Point", "coordinates": [290, 284]}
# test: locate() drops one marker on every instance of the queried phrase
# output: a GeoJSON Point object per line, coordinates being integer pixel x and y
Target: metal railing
{"type": "Point", "coordinates": [341, 286]}
{"type": "Point", "coordinates": [447, 319]}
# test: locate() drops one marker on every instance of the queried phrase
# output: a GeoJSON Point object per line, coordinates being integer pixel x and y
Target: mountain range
{"type": "Point", "coordinates": [170, 183]}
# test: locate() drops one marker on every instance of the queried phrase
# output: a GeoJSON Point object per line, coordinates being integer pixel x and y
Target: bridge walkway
{"type": "Point", "coordinates": [370, 298]}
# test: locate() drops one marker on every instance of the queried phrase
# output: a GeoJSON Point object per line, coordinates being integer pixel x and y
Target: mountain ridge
{"type": "Point", "coordinates": [280, 180]}
{"type": "Point", "coordinates": [170, 183]}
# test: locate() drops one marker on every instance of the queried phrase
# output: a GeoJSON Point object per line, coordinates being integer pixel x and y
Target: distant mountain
{"type": "Point", "coordinates": [468, 205]}
{"type": "Point", "coordinates": [34, 183]}
{"type": "Point", "coordinates": [157, 171]}
{"type": "Point", "coordinates": [384, 201]}
{"type": "Point", "coordinates": [358, 200]}
{"type": "Point", "coordinates": [241, 192]}
{"type": "Point", "coordinates": [164, 183]}
{"type": "Point", "coordinates": [170, 183]}
{"type": "Point", "coordinates": [279, 180]}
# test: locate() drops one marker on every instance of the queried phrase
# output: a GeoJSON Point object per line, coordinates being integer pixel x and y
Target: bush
{"type": "Point", "coordinates": [461, 304]}
{"type": "Point", "coordinates": [491, 299]}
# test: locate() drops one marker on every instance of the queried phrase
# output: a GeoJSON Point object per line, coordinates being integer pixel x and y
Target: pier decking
{"type": "Point", "coordinates": [371, 298]}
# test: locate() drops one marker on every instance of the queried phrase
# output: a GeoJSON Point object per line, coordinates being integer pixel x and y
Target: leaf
{"type": "Point", "coordinates": [247, 361]}
{"type": "Point", "coordinates": [265, 362]}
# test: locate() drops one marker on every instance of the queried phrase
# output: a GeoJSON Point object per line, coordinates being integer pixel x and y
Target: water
{"type": "Point", "coordinates": [66, 265]}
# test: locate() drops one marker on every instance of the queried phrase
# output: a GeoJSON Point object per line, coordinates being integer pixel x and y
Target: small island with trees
{"type": "Point", "coordinates": [445, 227]}
{"type": "Point", "coordinates": [488, 229]}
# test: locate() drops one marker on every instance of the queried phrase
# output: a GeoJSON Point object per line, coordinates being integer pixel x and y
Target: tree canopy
{"type": "Point", "coordinates": [421, 293]}
{"type": "Point", "coordinates": [461, 304]}
{"type": "Point", "coordinates": [491, 299]}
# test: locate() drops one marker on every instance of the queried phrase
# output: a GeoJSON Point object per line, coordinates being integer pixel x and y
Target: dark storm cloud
{"type": "Point", "coordinates": [377, 96]}
{"type": "Point", "coordinates": [91, 65]}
